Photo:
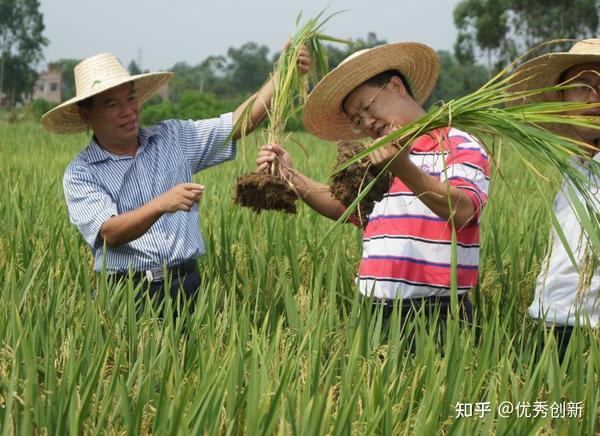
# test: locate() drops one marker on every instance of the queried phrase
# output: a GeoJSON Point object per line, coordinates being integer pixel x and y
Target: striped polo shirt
{"type": "Point", "coordinates": [98, 184]}
{"type": "Point", "coordinates": [406, 247]}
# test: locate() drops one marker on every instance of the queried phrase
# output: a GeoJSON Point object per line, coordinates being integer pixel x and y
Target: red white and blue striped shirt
{"type": "Point", "coordinates": [406, 247]}
{"type": "Point", "coordinates": [98, 184]}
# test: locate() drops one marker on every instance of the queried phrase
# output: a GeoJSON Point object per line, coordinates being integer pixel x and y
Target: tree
{"type": "Point", "coordinates": [208, 76]}
{"type": "Point", "coordinates": [335, 54]}
{"type": "Point", "coordinates": [249, 67]}
{"type": "Point", "coordinates": [21, 43]}
{"type": "Point", "coordinates": [212, 76]}
{"type": "Point", "coordinates": [242, 71]}
{"type": "Point", "coordinates": [133, 68]}
{"type": "Point", "coordinates": [501, 29]}
{"type": "Point", "coordinates": [456, 79]}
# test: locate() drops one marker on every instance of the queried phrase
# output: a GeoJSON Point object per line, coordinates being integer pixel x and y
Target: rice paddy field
{"type": "Point", "coordinates": [280, 342]}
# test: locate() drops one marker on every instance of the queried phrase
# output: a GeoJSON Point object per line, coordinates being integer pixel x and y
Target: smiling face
{"type": "Point", "coordinates": [114, 117]}
{"type": "Point", "coordinates": [588, 75]}
{"type": "Point", "coordinates": [377, 110]}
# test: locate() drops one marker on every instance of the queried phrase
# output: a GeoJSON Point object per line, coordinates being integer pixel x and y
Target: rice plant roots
{"type": "Point", "coordinates": [260, 191]}
{"type": "Point", "coordinates": [346, 185]}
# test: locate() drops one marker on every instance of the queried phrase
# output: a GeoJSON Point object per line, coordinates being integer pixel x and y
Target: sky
{"type": "Point", "coordinates": [161, 33]}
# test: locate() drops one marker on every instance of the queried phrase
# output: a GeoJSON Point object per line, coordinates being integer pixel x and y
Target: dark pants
{"type": "Point", "coordinates": [182, 287]}
{"type": "Point", "coordinates": [410, 308]}
{"type": "Point", "coordinates": [562, 335]}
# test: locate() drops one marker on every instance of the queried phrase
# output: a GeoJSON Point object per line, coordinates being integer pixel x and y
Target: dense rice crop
{"type": "Point", "coordinates": [280, 342]}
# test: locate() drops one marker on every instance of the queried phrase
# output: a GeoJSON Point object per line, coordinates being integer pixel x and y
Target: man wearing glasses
{"type": "Point", "coordinates": [440, 180]}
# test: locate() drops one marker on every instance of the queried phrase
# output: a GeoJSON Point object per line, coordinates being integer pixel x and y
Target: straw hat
{"type": "Point", "coordinates": [94, 75]}
{"type": "Point", "coordinates": [323, 113]}
{"type": "Point", "coordinates": [545, 71]}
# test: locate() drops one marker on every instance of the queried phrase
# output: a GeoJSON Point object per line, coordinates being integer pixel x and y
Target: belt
{"type": "Point", "coordinates": [158, 274]}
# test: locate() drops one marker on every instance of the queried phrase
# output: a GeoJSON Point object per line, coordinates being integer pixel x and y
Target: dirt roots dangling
{"type": "Point", "coordinates": [346, 185]}
{"type": "Point", "coordinates": [260, 191]}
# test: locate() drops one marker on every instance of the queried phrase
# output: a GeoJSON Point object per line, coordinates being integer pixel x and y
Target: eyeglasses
{"type": "Point", "coordinates": [358, 120]}
{"type": "Point", "coordinates": [581, 89]}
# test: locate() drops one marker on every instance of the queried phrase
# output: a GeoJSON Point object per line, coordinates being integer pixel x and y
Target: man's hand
{"type": "Point", "coordinates": [303, 61]}
{"type": "Point", "coordinates": [303, 58]}
{"type": "Point", "coordinates": [400, 155]}
{"type": "Point", "coordinates": [128, 226]}
{"type": "Point", "coordinates": [180, 197]}
{"type": "Point", "coordinates": [274, 153]}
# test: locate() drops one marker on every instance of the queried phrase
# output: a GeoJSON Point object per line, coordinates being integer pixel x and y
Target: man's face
{"type": "Point", "coordinates": [114, 115]}
{"type": "Point", "coordinates": [588, 75]}
{"type": "Point", "coordinates": [376, 111]}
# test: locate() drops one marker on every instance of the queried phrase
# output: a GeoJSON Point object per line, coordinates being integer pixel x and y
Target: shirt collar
{"type": "Point", "coordinates": [429, 140]}
{"type": "Point", "coordinates": [96, 154]}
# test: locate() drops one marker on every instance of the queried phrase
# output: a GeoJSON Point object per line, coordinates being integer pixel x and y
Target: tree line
{"type": "Point", "coordinates": [491, 33]}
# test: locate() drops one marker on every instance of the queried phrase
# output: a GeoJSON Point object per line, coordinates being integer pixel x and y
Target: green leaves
{"type": "Point", "coordinates": [280, 342]}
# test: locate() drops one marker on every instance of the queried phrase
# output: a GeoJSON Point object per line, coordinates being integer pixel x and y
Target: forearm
{"type": "Point", "coordinates": [318, 196]}
{"type": "Point", "coordinates": [123, 228]}
{"type": "Point", "coordinates": [436, 194]}
{"type": "Point", "coordinates": [258, 105]}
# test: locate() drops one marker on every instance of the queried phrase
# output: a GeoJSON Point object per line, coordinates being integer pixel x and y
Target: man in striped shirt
{"type": "Point", "coordinates": [440, 180]}
{"type": "Point", "coordinates": [130, 191]}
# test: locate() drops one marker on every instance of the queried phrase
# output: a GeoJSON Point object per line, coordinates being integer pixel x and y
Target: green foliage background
{"type": "Point", "coordinates": [280, 342]}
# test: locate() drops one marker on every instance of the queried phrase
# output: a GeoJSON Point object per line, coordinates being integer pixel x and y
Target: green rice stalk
{"type": "Point", "coordinates": [290, 87]}
{"type": "Point", "coordinates": [290, 90]}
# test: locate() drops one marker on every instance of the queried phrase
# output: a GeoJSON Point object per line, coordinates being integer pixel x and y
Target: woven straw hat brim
{"type": "Point", "coordinates": [544, 72]}
{"type": "Point", "coordinates": [64, 118]}
{"type": "Point", "coordinates": [323, 114]}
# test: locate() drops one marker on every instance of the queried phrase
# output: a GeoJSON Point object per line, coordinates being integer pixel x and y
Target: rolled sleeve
{"type": "Point", "coordinates": [477, 197]}
{"type": "Point", "coordinates": [468, 170]}
{"type": "Point", "coordinates": [88, 203]}
{"type": "Point", "coordinates": [204, 142]}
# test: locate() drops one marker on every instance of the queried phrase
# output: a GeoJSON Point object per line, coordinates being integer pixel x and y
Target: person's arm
{"type": "Point", "coordinates": [261, 101]}
{"type": "Point", "coordinates": [95, 212]}
{"type": "Point", "coordinates": [129, 226]}
{"type": "Point", "coordinates": [316, 195]}
{"type": "Point", "coordinates": [433, 192]}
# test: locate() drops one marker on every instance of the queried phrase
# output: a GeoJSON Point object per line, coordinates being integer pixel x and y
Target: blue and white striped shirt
{"type": "Point", "coordinates": [98, 184]}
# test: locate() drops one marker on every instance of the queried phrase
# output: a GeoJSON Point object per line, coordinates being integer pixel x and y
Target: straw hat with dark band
{"type": "Point", "coordinates": [323, 113]}
{"type": "Point", "coordinates": [545, 71]}
{"type": "Point", "coordinates": [94, 75]}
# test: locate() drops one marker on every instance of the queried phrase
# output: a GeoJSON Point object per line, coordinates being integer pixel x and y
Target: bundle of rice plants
{"type": "Point", "coordinates": [273, 191]}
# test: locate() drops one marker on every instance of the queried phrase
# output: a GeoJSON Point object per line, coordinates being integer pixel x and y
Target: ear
{"type": "Point", "coordinates": [396, 84]}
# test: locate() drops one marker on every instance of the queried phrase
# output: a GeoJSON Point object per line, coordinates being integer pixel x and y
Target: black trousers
{"type": "Point", "coordinates": [562, 335]}
{"type": "Point", "coordinates": [183, 287]}
{"type": "Point", "coordinates": [409, 309]}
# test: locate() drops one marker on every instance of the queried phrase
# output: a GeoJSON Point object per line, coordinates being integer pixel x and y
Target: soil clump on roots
{"type": "Point", "coordinates": [260, 191]}
{"type": "Point", "coordinates": [346, 185]}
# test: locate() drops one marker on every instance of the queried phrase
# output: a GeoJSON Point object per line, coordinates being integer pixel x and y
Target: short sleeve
{"type": "Point", "coordinates": [89, 205]}
{"type": "Point", "coordinates": [467, 168]}
{"type": "Point", "coordinates": [205, 142]}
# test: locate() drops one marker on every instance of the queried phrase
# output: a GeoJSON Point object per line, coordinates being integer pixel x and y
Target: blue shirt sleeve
{"type": "Point", "coordinates": [203, 142]}
{"type": "Point", "coordinates": [88, 203]}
